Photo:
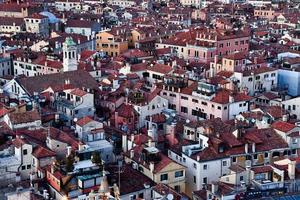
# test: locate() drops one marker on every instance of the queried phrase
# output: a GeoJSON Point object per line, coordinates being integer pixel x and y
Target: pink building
{"type": "Point", "coordinates": [202, 44]}
{"type": "Point", "coordinates": [231, 41]}
{"type": "Point", "coordinates": [203, 100]}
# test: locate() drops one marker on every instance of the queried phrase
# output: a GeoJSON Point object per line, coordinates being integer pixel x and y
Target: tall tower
{"type": "Point", "coordinates": [70, 55]}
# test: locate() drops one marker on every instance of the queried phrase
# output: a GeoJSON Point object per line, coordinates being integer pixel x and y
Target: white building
{"type": "Point", "coordinates": [37, 23]}
{"type": "Point", "coordinates": [63, 5]}
{"type": "Point", "coordinates": [200, 171]}
{"type": "Point", "coordinates": [293, 106]}
{"type": "Point", "coordinates": [70, 61]}
{"type": "Point", "coordinates": [262, 79]}
{"type": "Point", "coordinates": [75, 103]}
{"type": "Point", "coordinates": [152, 107]}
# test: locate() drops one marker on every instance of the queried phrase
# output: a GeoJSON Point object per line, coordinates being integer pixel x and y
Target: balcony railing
{"type": "Point", "coordinates": [267, 184]}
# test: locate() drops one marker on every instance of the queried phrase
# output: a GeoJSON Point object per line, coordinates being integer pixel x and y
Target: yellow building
{"type": "Point", "coordinates": [157, 167]}
{"type": "Point", "coordinates": [136, 35]}
{"type": "Point", "coordinates": [110, 43]}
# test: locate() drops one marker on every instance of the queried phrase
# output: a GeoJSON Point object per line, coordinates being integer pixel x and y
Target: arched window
{"type": "Point", "coordinates": [69, 55]}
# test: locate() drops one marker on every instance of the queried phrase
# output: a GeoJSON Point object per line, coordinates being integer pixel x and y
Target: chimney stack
{"type": "Point", "coordinates": [291, 169]}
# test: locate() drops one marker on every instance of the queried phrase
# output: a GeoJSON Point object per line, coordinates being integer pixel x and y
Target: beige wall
{"type": "Point", "coordinates": [170, 170]}
{"type": "Point", "coordinates": [107, 43]}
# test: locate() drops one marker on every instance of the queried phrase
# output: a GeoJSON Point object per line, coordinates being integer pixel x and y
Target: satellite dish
{"type": "Point", "coordinates": [170, 197]}
{"type": "Point", "coordinates": [187, 121]}
{"type": "Point", "coordinates": [75, 119]}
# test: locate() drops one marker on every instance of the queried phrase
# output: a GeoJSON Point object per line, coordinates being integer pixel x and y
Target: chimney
{"type": "Point", "coordinates": [151, 166]}
{"type": "Point", "coordinates": [149, 143]}
{"type": "Point", "coordinates": [80, 146]}
{"type": "Point", "coordinates": [214, 187]}
{"type": "Point", "coordinates": [231, 99]}
{"type": "Point", "coordinates": [291, 169]}
{"type": "Point", "coordinates": [253, 147]}
{"type": "Point", "coordinates": [69, 151]}
{"type": "Point", "coordinates": [284, 118]}
{"type": "Point", "coordinates": [198, 158]}
{"type": "Point", "coordinates": [131, 154]}
{"type": "Point", "coordinates": [52, 168]}
{"type": "Point", "coordinates": [246, 148]}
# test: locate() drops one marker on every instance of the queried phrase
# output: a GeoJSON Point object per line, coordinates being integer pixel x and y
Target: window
{"type": "Point", "coordinates": [204, 103]}
{"type": "Point", "coordinates": [25, 152]}
{"type": "Point", "coordinates": [184, 98]}
{"type": "Point", "coordinates": [266, 76]}
{"type": "Point", "coordinates": [23, 167]}
{"type": "Point", "coordinates": [241, 178]}
{"type": "Point", "coordinates": [295, 141]}
{"type": "Point", "coordinates": [273, 74]}
{"type": "Point", "coordinates": [255, 156]}
{"type": "Point", "coordinates": [195, 165]}
{"type": "Point", "coordinates": [194, 112]}
{"type": "Point", "coordinates": [184, 109]}
{"type": "Point", "coordinates": [177, 188]}
{"type": "Point", "coordinates": [141, 195]}
{"type": "Point", "coordinates": [266, 154]}
{"type": "Point", "coordinates": [205, 167]}
{"type": "Point", "coordinates": [294, 107]}
{"type": "Point", "coordinates": [205, 180]}
{"type": "Point", "coordinates": [194, 179]}
{"type": "Point", "coordinates": [294, 151]}
{"type": "Point", "coordinates": [28, 166]}
{"type": "Point", "coordinates": [164, 177]}
{"type": "Point", "coordinates": [224, 163]}
{"type": "Point", "coordinates": [179, 174]}
{"type": "Point", "coordinates": [219, 108]}
{"type": "Point", "coordinates": [234, 159]}
{"type": "Point", "coordinates": [195, 100]}
{"type": "Point", "coordinates": [257, 77]}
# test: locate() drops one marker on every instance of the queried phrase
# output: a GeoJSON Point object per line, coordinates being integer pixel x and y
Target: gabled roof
{"type": "Point", "coordinates": [283, 126]}
{"type": "Point", "coordinates": [83, 121]}
{"type": "Point", "coordinates": [78, 79]}
{"type": "Point", "coordinates": [24, 117]}
{"type": "Point", "coordinates": [41, 152]}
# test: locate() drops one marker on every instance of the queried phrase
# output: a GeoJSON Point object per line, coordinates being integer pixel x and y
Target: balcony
{"type": "Point", "coordinates": [67, 103]}
{"type": "Point", "coordinates": [267, 184]}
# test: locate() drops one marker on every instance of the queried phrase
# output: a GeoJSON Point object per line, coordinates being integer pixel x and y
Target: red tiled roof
{"type": "Point", "coordinates": [138, 67]}
{"type": "Point", "coordinates": [226, 74]}
{"type": "Point", "coordinates": [262, 169]}
{"type": "Point", "coordinates": [80, 23]}
{"type": "Point", "coordinates": [83, 121]}
{"type": "Point", "coordinates": [24, 117]}
{"type": "Point", "coordinates": [222, 97]}
{"type": "Point", "coordinates": [41, 152]}
{"type": "Point", "coordinates": [160, 68]}
{"type": "Point", "coordinates": [84, 55]}
{"type": "Point", "coordinates": [78, 92]}
{"type": "Point", "coordinates": [125, 110]}
{"type": "Point", "coordinates": [283, 126]}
